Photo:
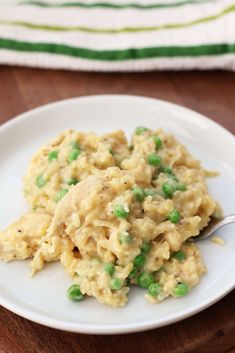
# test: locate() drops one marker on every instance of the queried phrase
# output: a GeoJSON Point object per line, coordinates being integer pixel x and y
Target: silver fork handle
{"type": "Point", "coordinates": [226, 220]}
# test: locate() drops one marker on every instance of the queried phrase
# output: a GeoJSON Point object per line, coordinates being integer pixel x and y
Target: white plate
{"type": "Point", "coordinates": [43, 298]}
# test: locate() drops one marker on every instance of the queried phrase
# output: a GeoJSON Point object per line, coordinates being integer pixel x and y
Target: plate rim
{"type": "Point", "coordinates": [23, 116]}
{"type": "Point", "coordinates": [112, 329]}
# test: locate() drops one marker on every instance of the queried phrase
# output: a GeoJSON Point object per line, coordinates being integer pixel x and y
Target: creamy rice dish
{"type": "Point", "coordinates": [114, 215]}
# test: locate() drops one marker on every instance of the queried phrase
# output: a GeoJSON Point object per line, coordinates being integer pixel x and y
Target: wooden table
{"type": "Point", "coordinates": [211, 93]}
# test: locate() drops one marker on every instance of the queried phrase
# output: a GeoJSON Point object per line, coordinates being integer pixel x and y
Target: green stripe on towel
{"type": "Point", "coordinates": [115, 5]}
{"type": "Point", "coordinates": [168, 26]}
{"type": "Point", "coordinates": [118, 55]}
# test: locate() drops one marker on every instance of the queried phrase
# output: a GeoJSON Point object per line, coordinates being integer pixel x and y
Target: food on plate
{"type": "Point", "coordinates": [67, 160]}
{"type": "Point", "coordinates": [114, 215]}
{"type": "Point", "coordinates": [217, 240]}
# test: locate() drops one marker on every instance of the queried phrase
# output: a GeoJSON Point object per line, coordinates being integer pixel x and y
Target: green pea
{"type": "Point", "coordinates": [120, 212]}
{"type": "Point", "coordinates": [174, 216]}
{"type": "Point", "coordinates": [145, 247]}
{"type": "Point", "coordinates": [115, 283]}
{"type": "Point", "coordinates": [138, 193]}
{"type": "Point", "coordinates": [73, 155]}
{"type": "Point", "coordinates": [166, 170]}
{"type": "Point", "coordinates": [52, 155]}
{"type": "Point", "coordinates": [74, 293]}
{"type": "Point", "coordinates": [72, 181]}
{"type": "Point", "coordinates": [75, 145]}
{"type": "Point", "coordinates": [181, 289]}
{"type": "Point", "coordinates": [133, 272]}
{"type": "Point", "coordinates": [181, 187]}
{"type": "Point", "coordinates": [40, 181]}
{"type": "Point", "coordinates": [157, 141]}
{"type": "Point", "coordinates": [145, 279]}
{"type": "Point", "coordinates": [110, 268]}
{"type": "Point", "coordinates": [139, 260]}
{"type": "Point", "coordinates": [140, 130]}
{"type": "Point", "coordinates": [111, 152]}
{"type": "Point", "coordinates": [154, 160]}
{"type": "Point", "coordinates": [169, 187]}
{"type": "Point", "coordinates": [60, 195]}
{"type": "Point", "coordinates": [179, 255]}
{"type": "Point", "coordinates": [154, 289]}
{"type": "Point", "coordinates": [125, 238]}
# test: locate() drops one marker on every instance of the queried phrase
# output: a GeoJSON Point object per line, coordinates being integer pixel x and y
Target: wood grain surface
{"type": "Point", "coordinates": [211, 93]}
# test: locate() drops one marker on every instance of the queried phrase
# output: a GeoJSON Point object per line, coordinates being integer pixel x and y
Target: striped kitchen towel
{"type": "Point", "coordinates": [118, 35]}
